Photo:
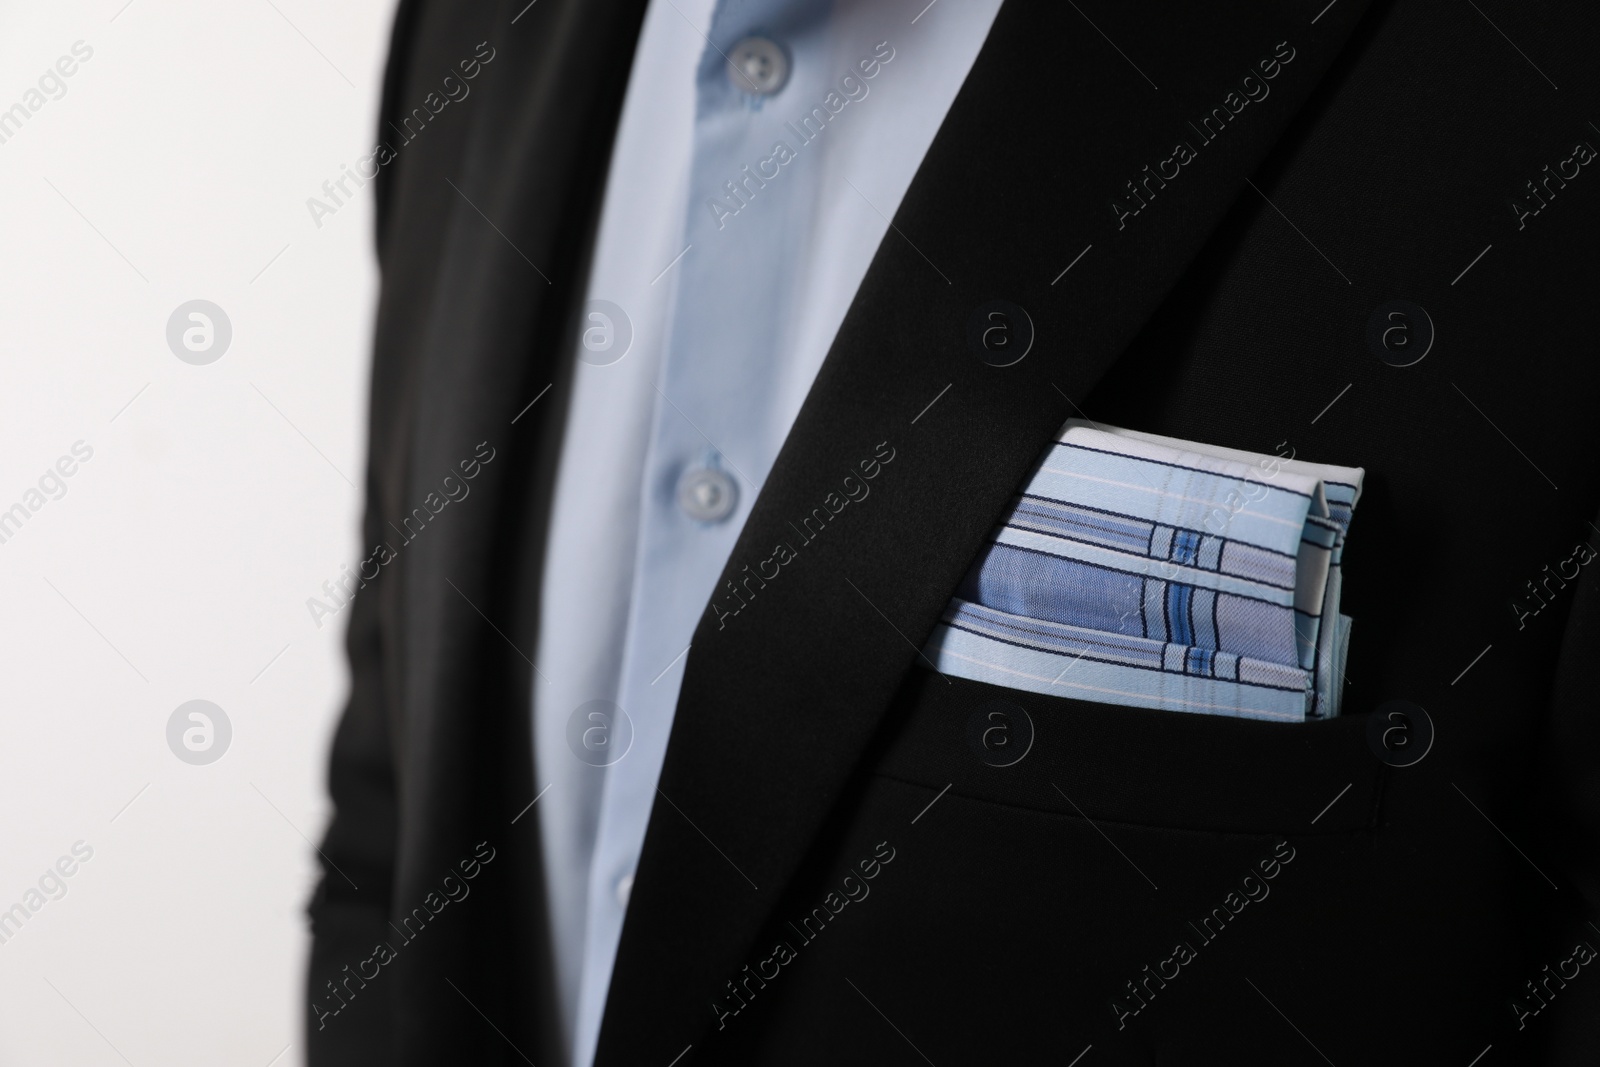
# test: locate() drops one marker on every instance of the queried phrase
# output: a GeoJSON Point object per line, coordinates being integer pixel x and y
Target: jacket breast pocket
{"type": "Point", "coordinates": [1129, 765]}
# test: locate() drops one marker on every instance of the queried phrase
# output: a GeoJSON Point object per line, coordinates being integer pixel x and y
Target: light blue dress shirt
{"type": "Point", "coordinates": [763, 147]}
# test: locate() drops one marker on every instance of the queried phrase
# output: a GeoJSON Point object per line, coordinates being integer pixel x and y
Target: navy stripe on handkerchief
{"type": "Point", "coordinates": [1142, 570]}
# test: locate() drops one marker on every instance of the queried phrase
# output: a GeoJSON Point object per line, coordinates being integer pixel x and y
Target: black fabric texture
{"type": "Point", "coordinates": [1023, 904]}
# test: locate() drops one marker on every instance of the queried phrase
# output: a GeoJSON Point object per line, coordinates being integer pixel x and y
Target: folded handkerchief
{"type": "Point", "coordinates": [1147, 571]}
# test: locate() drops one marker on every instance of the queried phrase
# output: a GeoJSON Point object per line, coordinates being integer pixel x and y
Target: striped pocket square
{"type": "Point", "coordinates": [1147, 571]}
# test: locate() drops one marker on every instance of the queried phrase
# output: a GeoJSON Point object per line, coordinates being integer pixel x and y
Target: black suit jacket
{"type": "Point", "coordinates": [834, 875]}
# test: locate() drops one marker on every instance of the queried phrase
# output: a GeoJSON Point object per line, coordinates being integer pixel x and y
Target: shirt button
{"type": "Point", "coordinates": [624, 888]}
{"type": "Point", "coordinates": [759, 66]}
{"type": "Point", "coordinates": [707, 495]}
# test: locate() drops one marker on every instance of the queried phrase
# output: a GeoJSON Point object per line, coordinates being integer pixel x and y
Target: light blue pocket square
{"type": "Point", "coordinates": [1147, 571]}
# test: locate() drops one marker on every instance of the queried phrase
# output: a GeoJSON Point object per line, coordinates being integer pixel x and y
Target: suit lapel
{"type": "Point", "coordinates": [1028, 174]}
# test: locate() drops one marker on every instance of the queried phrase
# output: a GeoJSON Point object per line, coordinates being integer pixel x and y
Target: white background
{"type": "Point", "coordinates": [178, 564]}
